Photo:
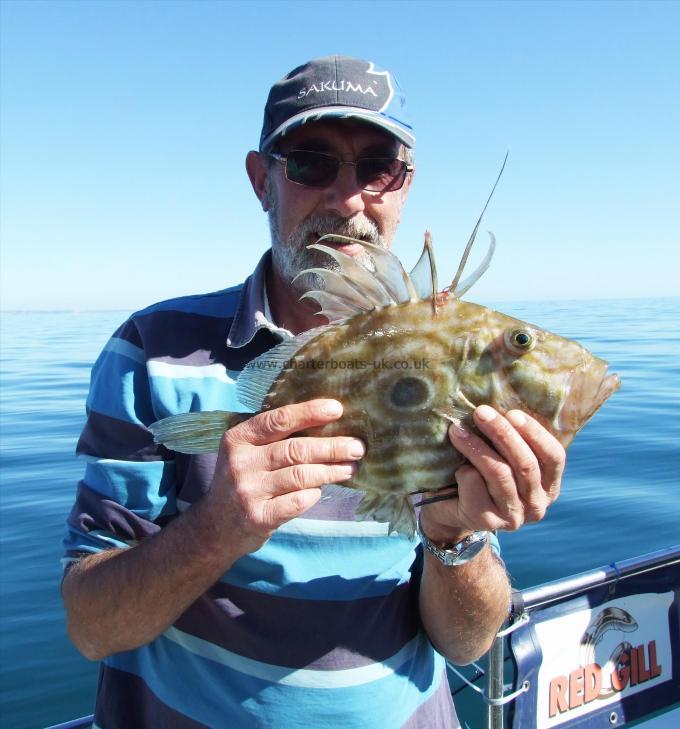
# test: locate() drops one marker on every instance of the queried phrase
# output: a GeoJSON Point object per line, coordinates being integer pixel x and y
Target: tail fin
{"type": "Point", "coordinates": [195, 432]}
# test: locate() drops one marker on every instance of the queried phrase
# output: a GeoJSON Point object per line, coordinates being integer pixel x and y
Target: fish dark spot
{"type": "Point", "coordinates": [409, 392]}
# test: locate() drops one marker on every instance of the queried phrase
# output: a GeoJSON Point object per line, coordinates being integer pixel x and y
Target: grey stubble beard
{"type": "Point", "coordinates": [291, 256]}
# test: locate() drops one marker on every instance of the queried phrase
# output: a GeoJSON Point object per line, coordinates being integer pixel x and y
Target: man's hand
{"type": "Point", "coordinates": [502, 487]}
{"type": "Point", "coordinates": [505, 485]}
{"type": "Point", "coordinates": [264, 477]}
{"type": "Point", "coordinates": [123, 598]}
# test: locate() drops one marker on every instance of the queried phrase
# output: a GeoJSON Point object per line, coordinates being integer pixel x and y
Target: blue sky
{"type": "Point", "coordinates": [125, 126]}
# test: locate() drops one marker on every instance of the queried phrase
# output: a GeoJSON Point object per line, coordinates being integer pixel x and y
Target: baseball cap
{"type": "Point", "coordinates": [340, 87]}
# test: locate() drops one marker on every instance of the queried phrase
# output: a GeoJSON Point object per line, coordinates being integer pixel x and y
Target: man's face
{"type": "Point", "coordinates": [299, 215]}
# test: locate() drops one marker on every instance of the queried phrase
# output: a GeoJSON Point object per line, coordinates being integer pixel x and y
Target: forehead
{"type": "Point", "coordinates": [340, 135]}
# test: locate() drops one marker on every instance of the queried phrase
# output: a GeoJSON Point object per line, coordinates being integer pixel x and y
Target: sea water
{"type": "Point", "coordinates": [620, 494]}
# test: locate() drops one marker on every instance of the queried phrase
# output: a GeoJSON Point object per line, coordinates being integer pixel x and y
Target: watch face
{"type": "Point", "coordinates": [472, 549]}
{"type": "Point", "coordinates": [464, 551]}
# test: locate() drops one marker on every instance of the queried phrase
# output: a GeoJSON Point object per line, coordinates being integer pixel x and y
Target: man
{"type": "Point", "coordinates": [225, 592]}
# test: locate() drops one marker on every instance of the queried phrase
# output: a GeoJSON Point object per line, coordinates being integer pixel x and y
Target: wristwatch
{"type": "Point", "coordinates": [458, 553]}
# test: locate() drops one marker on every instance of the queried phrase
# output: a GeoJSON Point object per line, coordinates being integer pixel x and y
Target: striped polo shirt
{"type": "Point", "coordinates": [318, 628]}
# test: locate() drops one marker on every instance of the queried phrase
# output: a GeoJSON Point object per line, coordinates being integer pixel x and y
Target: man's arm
{"type": "Point", "coordinates": [123, 598]}
{"type": "Point", "coordinates": [502, 488]}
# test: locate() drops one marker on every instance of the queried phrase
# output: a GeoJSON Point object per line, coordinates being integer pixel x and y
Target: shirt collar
{"type": "Point", "coordinates": [253, 312]}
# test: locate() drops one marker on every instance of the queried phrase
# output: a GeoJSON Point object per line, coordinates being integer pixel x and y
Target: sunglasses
{"type": "Point", "coordinates": [316, 169]}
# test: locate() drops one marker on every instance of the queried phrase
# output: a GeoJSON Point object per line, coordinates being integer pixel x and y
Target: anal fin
{"type": "Point", "coordinates": [395, 509]}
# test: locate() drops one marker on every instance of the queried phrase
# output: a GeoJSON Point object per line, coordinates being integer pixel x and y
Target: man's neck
{"type": "Point", "coordinates": [287, 310]}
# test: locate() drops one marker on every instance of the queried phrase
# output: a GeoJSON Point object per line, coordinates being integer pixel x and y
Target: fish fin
{"type": "Point", "coordinates": [332, 491]}
{"type": "Point", "coordinates": [424, 273]}
{"type": "Point", "coordinates": [458, 411]}
{"type": "Point", "coordinates": [391, 274]}
{"type": "Point", "coordinates": [195, 432]}
{"type": "Point", "coordinates": [395, 509]}
{"type": "Point", "coordinates": [333, 307]}
{"type": "Point", "coordinates": [339, 298]}
{"type": "Point", "coordinates": [355, 288]}
{"type": "Point", "coordinates": [472, 279]}
{"type": "Point", "coordinates": [363, 281]}
{"type": "Point", "coordinates": [468, 247]}
{"type": "Point", "coordinates": [257, 377]}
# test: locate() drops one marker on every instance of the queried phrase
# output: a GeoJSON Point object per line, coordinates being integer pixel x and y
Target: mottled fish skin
{"type": "Point", "coordinates": [403, 373]}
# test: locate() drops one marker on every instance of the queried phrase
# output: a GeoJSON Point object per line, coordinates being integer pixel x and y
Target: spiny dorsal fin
{"type": "Point", "coordinates": [256, 379]}
{"type": "Point", "coordinates": [354, 288]}
{"type": "Point", "coordinates": [472, 279]}
{"type": "Point", "coordinates": [424, 273]}
{"type": "Point", "coordinates": [334, 307]}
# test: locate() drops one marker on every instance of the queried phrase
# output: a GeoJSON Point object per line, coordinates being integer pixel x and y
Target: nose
{"type": "Point", "coordinates": [344, 197]}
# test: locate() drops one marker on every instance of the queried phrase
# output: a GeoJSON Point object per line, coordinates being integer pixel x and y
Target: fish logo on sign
{"type": "Point", "coordinates": [624, 665]}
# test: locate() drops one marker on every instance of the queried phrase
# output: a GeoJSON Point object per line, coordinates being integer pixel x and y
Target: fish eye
{"type": "Point", "coordinates": [520, 340]}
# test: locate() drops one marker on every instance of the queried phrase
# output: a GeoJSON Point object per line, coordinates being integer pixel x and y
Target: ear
{"type": "Point", "coordinates": [408, 182]}
{"type": "Point", "coordinates": [257, 173]}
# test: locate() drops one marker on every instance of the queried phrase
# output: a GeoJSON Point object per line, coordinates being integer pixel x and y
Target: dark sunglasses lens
{"type": "Point", "coordinates": [311, 168]}
{"type": "Point", "coordinates": [380, 174]}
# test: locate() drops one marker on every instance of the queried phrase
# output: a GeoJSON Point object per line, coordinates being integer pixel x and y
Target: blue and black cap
{"type": "Point", "coordinates": [340, 87]}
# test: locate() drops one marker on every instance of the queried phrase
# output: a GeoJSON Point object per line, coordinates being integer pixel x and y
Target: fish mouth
{"type": "Point", "coordinates": [588, 390]}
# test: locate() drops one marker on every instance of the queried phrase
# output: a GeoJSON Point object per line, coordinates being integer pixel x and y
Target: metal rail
{"type": "Point", "coordinates": [552, 592]}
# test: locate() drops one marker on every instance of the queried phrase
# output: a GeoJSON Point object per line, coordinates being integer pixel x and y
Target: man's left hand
{"type": "Point", "coordinates": [506, 484]}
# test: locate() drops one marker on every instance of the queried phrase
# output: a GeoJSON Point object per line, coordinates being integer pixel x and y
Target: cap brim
{"type": "Point", "coordinates": [403, 134]}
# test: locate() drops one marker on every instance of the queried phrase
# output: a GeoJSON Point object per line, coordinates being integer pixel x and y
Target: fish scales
{"type": "Point", "coordinates": [371, 358]}
{"type": "Point", "coordinates": [404, 371]}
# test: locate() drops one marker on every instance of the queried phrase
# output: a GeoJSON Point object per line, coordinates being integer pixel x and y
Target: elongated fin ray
{"type": "Point", "coordinates": [333, 307]}
{"type": "Point", "coordinates": [388, 270]}
{"type": "Point", "coordinates": [338, 285]}
{"type": "Point", "coordinates": [472, 279]}
{"type": "Point", "coordinates": [468, 247]}
{"type": "Point", "coordinates": [195, 432]}
{"type": "Point", "coordinates": [364, 281]}
{"type": "Point", "coordinates": [256, 379]}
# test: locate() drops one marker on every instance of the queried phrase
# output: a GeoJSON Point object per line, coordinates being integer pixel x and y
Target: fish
{"type": "Point", "coordinates": [406, 360]}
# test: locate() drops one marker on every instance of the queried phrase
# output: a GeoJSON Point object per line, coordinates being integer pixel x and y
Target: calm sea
{"type": "Point", "coordinates": [621, 490]}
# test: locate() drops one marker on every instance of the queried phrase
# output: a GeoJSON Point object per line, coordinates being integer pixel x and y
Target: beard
{"type": "Point", "coordinates": [290, 255]}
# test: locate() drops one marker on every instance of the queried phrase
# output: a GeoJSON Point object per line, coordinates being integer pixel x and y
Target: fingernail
{"type": "Point", "coordinates": [460, 430]}
{"type": "Point", "coordinates": [517, 417]}
{"type": "Point", "coordinates": [356, 449]}
{"type": "Point", "coordinates": [332, 407]}
{"type": "Point", "coordinates": [345, 470]}
{"type": "Point", "coordinates": [485, 413]}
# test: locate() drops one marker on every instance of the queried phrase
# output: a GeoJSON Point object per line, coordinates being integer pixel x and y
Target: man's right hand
{"type": "Point", "coordinates": [264, 477]}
